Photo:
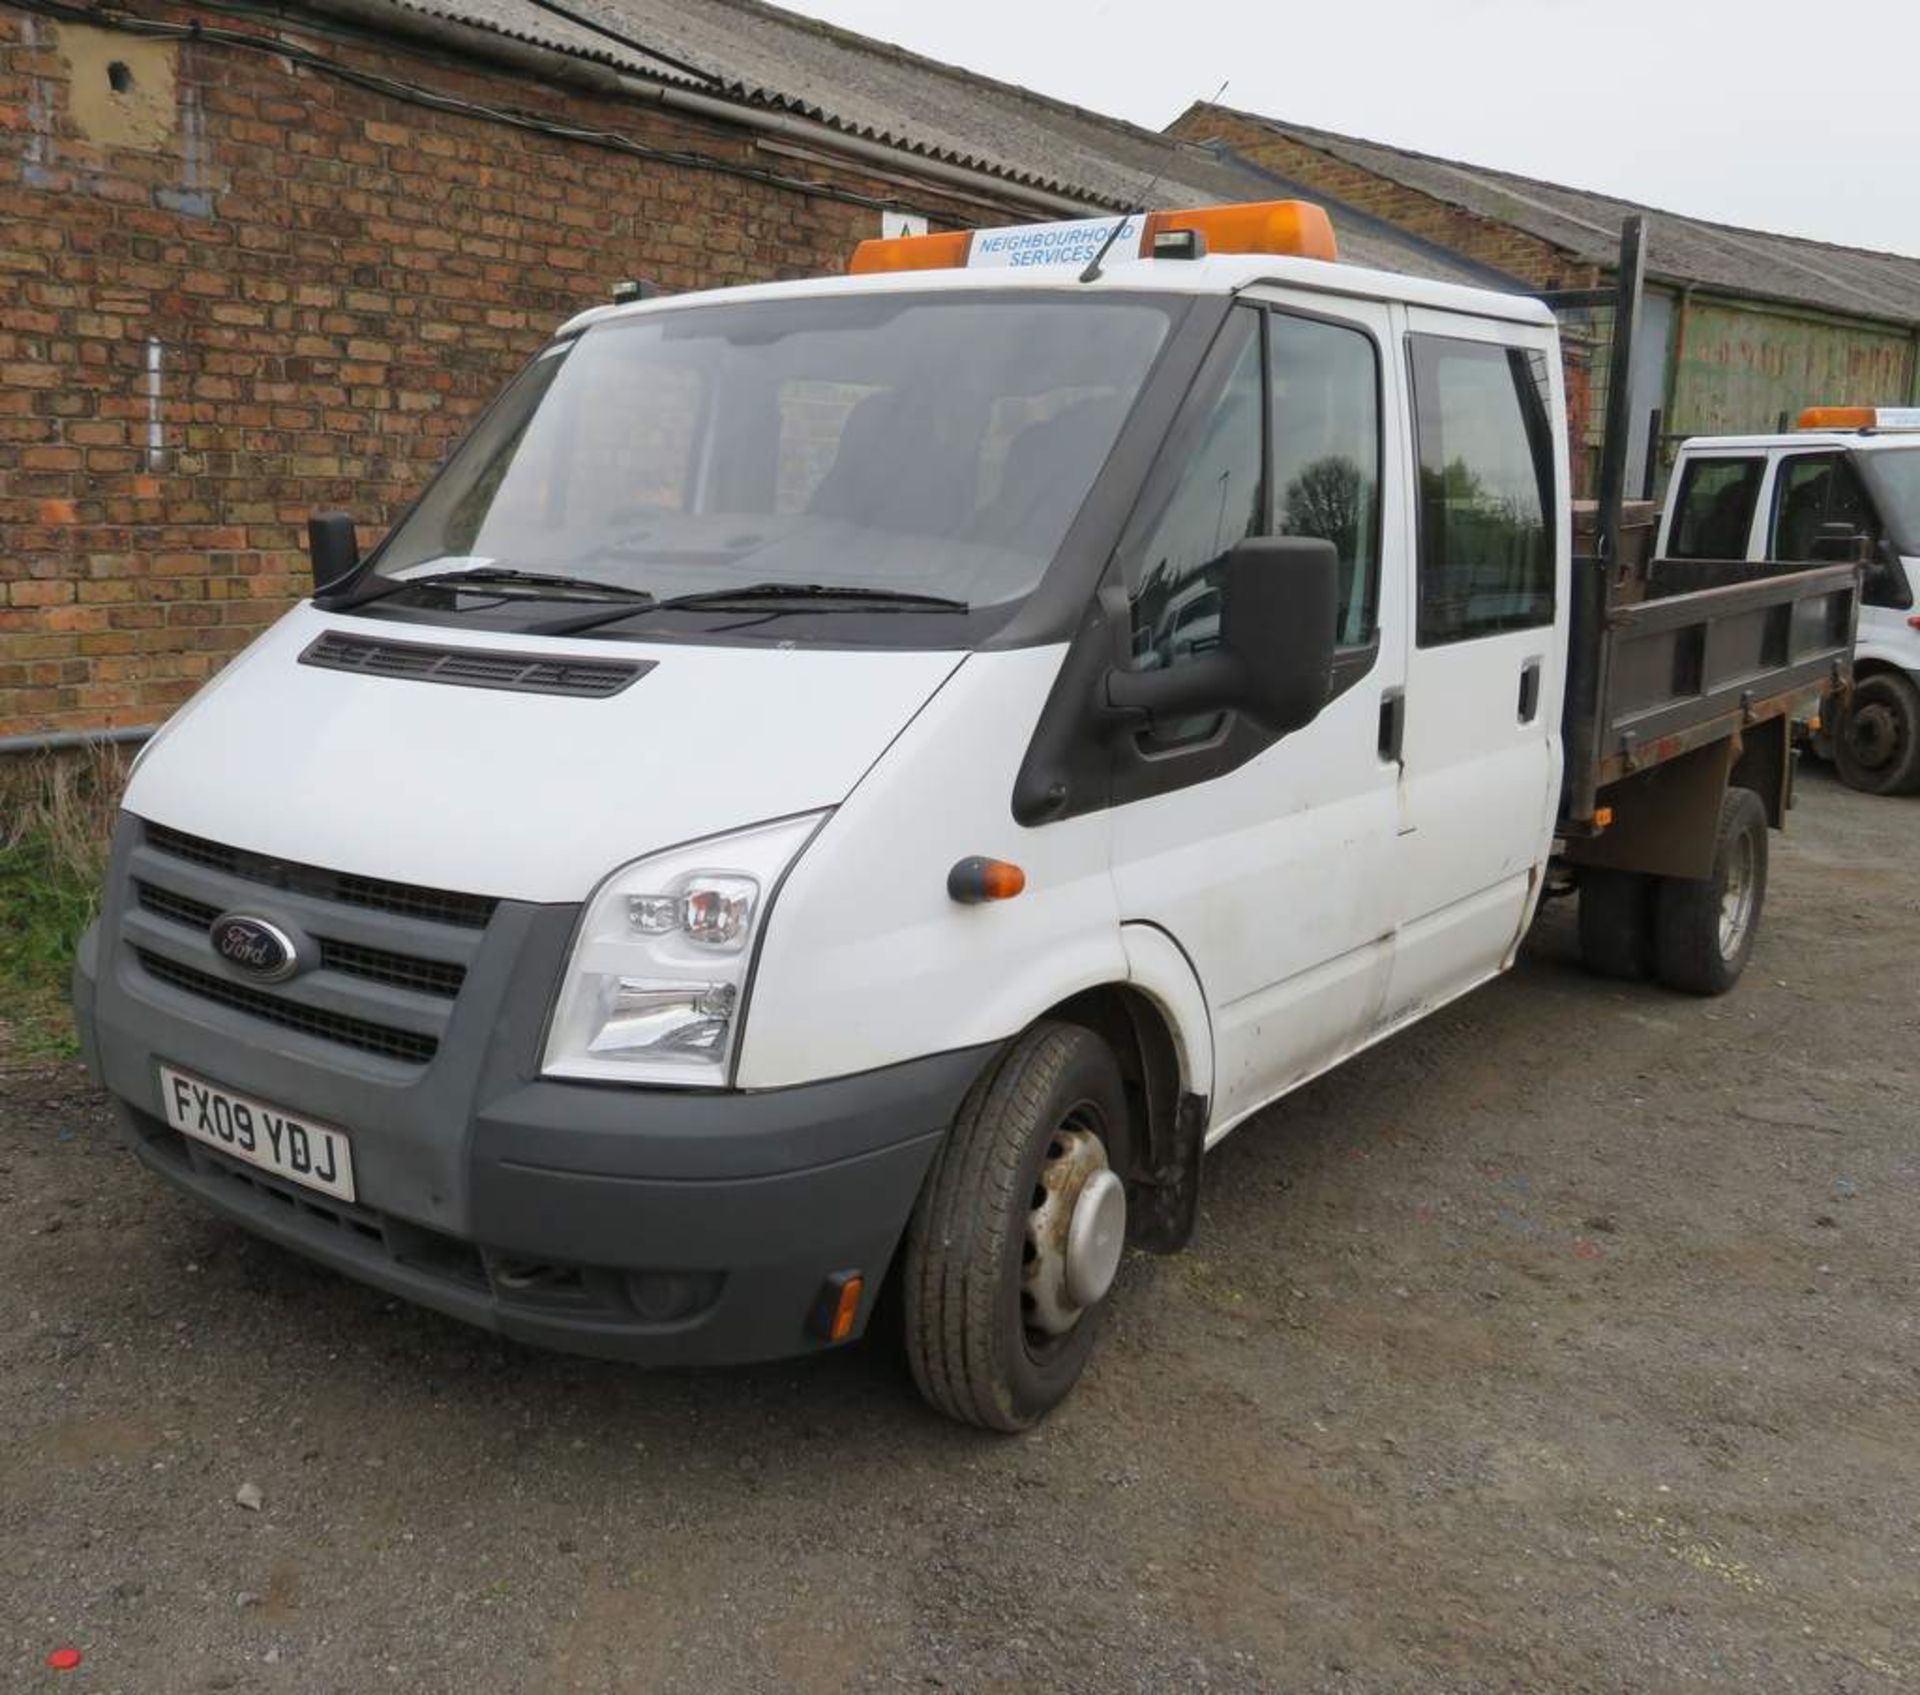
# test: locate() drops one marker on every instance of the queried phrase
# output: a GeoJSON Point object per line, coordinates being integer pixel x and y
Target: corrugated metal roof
{"type": "Point", "coordinates": [541, 26]}
{"type": "Point", "coordinates": [760, 55]}
{"type": "Point", "coordinates": [1752, 263]}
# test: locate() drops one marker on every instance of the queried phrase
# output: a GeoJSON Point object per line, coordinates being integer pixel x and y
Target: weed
{"type": "Point", "coordinates": [56, 815]}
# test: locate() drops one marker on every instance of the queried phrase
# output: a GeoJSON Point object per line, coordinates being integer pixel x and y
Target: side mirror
{"type": "Point", "coordinates": [334, 550]}
{"type": "Point", "coordinates": [1885, 582]}
{"type": "Point", "coordinates": [1279, 614]}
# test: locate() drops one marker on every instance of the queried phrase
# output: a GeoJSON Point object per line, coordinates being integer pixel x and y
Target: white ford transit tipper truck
{"type": "Point", "coordinates": [1781, 498]}
{"type": "Point", "coordinates": [868, 778]}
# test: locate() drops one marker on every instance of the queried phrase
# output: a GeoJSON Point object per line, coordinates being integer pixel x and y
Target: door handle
{"type": "Point", "coordinates": [1393, 724]}
{"type": "Point", "coordinates": [1529, 690]}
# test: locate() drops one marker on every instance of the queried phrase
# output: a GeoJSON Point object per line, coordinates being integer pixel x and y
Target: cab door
{"type": "Point", "coordinates": [1270, 863]}
{"type": "Point", "coordinates": [1486, 649]}
{"type": "Point", "coordinates": [1812, 490]}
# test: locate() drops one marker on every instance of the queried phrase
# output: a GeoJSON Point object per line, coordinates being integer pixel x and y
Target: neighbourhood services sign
{"type": "Point", "coordinates": [1073, 243]}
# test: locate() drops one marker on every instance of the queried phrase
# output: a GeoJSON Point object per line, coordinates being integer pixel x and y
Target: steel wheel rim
{"type": "Point", "coordinates": [1075, 1161]}
{"type": "Point", "coordinates": [1736, 897]}
{"type": "Point", "coordinates": [1873, 737]}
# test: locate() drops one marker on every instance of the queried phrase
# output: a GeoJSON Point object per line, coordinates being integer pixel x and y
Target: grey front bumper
{"type": "Point", "coordinates": [655, 1225]}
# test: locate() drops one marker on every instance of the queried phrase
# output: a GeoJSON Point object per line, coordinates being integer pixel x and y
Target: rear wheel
{"type": "Point", "coordinates": [1019, 1231]}
{"type": "Point", "coordinates": [1704, 928]}
{"type": "Point", "coordinates": [1876, 746]}
{"type": "Point", "coordinates": [1616, 923]}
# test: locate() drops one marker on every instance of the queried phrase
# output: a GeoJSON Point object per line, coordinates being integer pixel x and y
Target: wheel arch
{"type": "Point", "coordinates": [1157, 1027]}
{"type": "Point", "coordinates": [1872, 665]}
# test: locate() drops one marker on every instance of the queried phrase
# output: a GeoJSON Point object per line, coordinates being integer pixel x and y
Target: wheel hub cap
{"type": "Point", "coordinates": [1076, 1231]}
{"type": "Point", "coordinates": [1096, 1238]}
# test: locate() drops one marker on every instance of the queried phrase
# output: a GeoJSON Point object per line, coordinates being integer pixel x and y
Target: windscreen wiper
{"type": "Point", "coordinates": [536, 582]}
{"type": "Point", "coordinates": [849, 593]}
{"type": "Point", "coordinates": [537, 585]}
{"type": "Point", "coordinates": [762, 597]}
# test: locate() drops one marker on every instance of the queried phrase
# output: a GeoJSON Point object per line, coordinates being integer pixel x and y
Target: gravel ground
{"type": "Point", "coordinates": [1565, 1342]}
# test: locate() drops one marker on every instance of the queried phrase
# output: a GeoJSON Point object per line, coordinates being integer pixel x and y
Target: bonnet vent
{"type": "Point", "coordinates": [474, 668]}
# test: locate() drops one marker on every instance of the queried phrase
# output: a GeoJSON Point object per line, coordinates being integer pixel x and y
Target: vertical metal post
{"type": "Point", "coordinates": [1650, 477]}
{"type": "Point", "coordinates": [1630, 290]}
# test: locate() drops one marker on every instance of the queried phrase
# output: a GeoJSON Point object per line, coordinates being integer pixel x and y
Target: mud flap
{"type": "Point", "coordinates": [1164, 1204]}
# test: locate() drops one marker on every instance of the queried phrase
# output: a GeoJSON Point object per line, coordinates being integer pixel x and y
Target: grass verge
{"type": "Point", "coordinates": [56, 815]}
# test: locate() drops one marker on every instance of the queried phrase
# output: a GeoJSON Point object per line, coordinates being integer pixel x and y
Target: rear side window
{"type": "Point", "coordinates": [1486, 490]}
{"type": "Point", "coordinates": [1713, 512]}
{"type": "Point", "coordinates": [1325, 447]}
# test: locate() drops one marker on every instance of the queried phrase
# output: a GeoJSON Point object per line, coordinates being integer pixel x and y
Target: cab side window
{"type": "Point", "coordinates": [1324, 381]}
{"type": "Point", "coordinates": [1217, 498]}
{"type": "Point", "coordinates": [1713, 512]}
{"type": "Point", "coordinates": [1811, 491]}
{"type": "Point", "coordinates": [1486, 490]}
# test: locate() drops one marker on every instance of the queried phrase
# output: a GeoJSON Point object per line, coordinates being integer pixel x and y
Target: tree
{"type": "Point", "coordinates": [1325, 501]}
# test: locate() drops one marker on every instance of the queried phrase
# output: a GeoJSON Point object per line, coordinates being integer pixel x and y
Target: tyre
{"type": "Point", "coordinates": [1018, 1232]}
{"type": "Point", "coordinates": [1703, 928]}
{"type": "Point", "coordinates": [1876, 745]}
{"type": "Point", "coordinates": [1616, 923]}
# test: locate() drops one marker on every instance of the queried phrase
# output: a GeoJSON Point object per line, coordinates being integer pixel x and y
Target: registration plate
{"type": "Point", "coordinates": [314, 1155]}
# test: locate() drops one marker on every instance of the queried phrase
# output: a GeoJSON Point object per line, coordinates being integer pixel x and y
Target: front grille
{"type": "Point", "coordinates": [474, 668]}
{"type": "Point", "coordinates": [377, 965]}
{"type": "Point", "coordinates": [440, 906]}
{"type": "Point", "coordinates": [180, 908]}
{"type": "Point", "coordinates": [403, 971]}
{"type": "Point", "coordinates": [362, 1033]}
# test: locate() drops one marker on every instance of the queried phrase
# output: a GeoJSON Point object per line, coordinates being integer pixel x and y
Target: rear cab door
{"type": "Point", "coordinates": [1486, 647]}
{"type": "Point", "coordinates": [1716, 510]}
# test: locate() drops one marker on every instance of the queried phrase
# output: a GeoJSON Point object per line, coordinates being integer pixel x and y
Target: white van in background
{"type": "Point", "coordinates": [1797, 498]}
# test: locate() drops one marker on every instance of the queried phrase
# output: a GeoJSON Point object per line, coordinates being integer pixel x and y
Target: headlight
{"type": "Point", "coordinates": [654, 990]}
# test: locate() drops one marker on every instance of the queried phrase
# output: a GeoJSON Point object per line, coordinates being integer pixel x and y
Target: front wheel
{"type": "Point", "coordinates": [1019, 1231]}
{"type": "Point", "coordinates": [1704, 928]}
{"type": "Point", "coordinates": [1877, 745]}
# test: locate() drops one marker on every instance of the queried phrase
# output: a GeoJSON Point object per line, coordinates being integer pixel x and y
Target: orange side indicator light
{"type": "Point", "coordinates": [835, 1312]}
{"type": "Point", "coordinates": [1602, 817]}
{"type": "Point", "coordinates": [974, 880]}
{"type": "Point", "coordinates": [847, 1308]}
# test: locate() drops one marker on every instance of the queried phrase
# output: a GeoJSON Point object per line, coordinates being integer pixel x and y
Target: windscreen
{"type": "Point", "coordinates": [937, 445]}
{"type": "Point", "coordinates": [1894, 474]}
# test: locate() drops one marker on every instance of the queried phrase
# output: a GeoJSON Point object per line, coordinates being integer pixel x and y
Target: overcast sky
{"type": "Point", "coordinates": [1776, 114]}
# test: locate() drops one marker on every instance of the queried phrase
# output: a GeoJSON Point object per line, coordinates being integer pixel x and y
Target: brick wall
{"type": "Point", "coordinates": [234, 289]}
